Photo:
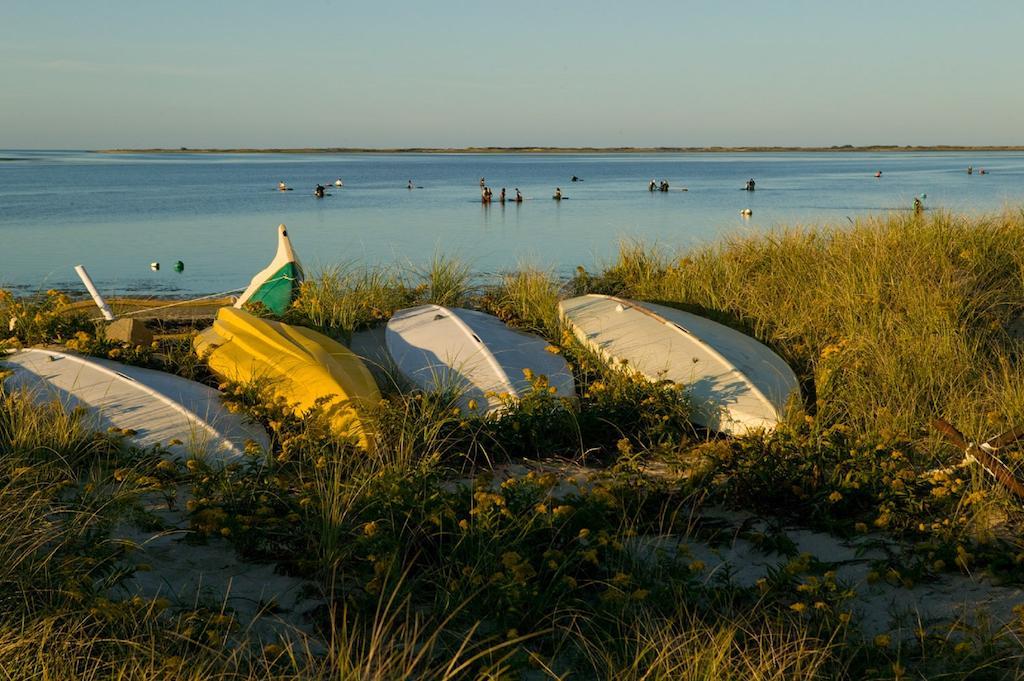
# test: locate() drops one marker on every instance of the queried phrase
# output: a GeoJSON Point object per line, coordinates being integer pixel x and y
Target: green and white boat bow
{"type": "Point", "coordinates": [278, 284]}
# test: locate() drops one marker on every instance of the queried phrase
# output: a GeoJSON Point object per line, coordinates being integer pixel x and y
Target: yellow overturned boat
{"type": "Point", "coordinates": [300, 365]}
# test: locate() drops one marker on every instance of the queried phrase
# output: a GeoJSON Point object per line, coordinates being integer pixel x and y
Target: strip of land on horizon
{"type": "Point", "coordinates": [557, 150]}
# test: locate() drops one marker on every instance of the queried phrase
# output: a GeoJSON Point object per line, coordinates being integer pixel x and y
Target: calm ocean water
{"type": "Point", "coordinates": [218, 213]}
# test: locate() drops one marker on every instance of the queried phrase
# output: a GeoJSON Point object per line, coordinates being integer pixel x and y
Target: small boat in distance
{"type": "Point", "coordinates": [278, 284]}
{"type": "Point", "coordinates": [737, 384]}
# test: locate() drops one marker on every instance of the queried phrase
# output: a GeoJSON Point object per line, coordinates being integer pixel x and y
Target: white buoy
{"type": "Point", "coordinates": [96, 297]}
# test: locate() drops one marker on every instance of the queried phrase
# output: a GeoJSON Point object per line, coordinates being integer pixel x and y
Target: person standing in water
{"type": "Point", "coordinates": [519, 197]}
{"type": "Point", "coordinates": [409, 186]}
{"type": "Point", "coordinates": [558, 194]}
{"type": "Point", "coordinates": [281, 186]}
{"type": "Point", "coordinates": [482, 183]}
{"type": "Point", "coordinates": [501, 196]}
{"type": "Point", "coordinates": [651, 186]}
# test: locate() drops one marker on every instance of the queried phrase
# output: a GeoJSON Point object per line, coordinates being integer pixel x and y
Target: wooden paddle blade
{"type": "Point", "coordinates": [1007, 438]}
{"type": "Point", "coordinates": [998, 470]}
{"type": "Point", "coordinates": [951, 433]}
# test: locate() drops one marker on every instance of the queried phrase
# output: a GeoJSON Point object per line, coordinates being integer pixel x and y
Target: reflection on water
{"type": "Point", "coordinates": [218, 213]}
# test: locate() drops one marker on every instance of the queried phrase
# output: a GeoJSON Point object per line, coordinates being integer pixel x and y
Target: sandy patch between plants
{"type": "Point", "coordinates": [194, 572]}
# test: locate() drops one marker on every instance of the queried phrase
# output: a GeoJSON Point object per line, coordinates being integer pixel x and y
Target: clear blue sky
{"type": "Point", "coordinates": [329, 73]}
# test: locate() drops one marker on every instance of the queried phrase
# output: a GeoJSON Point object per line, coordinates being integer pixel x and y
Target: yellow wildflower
{"type": "Point", "coordinates": [563, 511]}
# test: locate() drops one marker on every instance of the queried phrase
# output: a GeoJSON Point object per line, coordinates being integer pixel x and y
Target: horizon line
{"type": "Point", "coordinates": [557, 150]}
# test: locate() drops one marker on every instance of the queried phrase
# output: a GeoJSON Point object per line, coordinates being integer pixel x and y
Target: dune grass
{"type": "Point", "coordinates": [343, 298]}
{"type": "Point", "coordinates": [890, 322]}
{"type": "Point", "coordinates": [434, 559]}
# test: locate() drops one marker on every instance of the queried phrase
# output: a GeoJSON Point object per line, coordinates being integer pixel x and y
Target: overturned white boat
{"type": "Point", "coordinates": [154, 407]}
{"type": "Point", "coordinates": [737, 384]}
{"type": "Point", "coordinates": [473, 354]}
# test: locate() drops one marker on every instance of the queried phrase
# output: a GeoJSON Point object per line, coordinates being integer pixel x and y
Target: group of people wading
{"type": "Point", "coordinates": [486, 194]}
{"type": "Point", "coordinates": [659, 186]}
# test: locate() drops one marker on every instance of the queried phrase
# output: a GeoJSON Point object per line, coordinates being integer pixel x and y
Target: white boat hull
{"type": "Point", "coordinates": [737, 384]}
{"type": "Point", "coordinates": [472, 353]}
{"type": "Point", "coordinates": [159, 408]}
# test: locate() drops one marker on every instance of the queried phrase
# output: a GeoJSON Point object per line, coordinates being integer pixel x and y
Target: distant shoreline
{"type": "Point", "coordinates": [563, 150]}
